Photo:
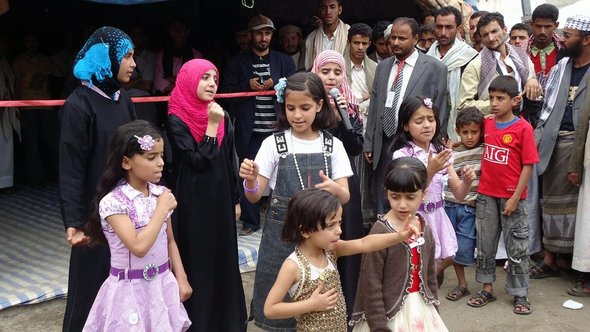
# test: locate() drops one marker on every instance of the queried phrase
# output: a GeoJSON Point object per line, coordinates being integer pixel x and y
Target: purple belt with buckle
{"type": "Point", "coordinates": [431, 206]}
{"type": "Point", "coordinates": [149, 272]}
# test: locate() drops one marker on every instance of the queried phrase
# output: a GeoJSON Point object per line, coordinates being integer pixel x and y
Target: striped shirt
{"type": "Point", "coordinates": [464, 156]}
{"type": "Point", "coordinates": [264, 112]}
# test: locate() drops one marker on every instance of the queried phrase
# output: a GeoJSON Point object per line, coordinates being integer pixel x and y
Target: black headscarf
{"type": "Point", "coordinates": [100, 58]}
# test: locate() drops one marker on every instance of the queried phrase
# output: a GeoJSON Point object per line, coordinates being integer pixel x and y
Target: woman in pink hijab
{"type": "Point", "coordinates": [205, 165]}
{"type": "Point", "coordinates": [330, 67]}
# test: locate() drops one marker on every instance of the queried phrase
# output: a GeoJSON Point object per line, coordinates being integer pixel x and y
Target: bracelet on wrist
{"type": "Point", "coordinates": [251, 190]}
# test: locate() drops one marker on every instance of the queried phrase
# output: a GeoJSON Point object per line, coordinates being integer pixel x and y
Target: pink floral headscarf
{"type": "Point", "coordinates": [331, 56]}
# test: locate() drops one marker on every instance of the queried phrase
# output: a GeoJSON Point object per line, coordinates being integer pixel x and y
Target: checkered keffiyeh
{"type": "Point", "coordinates": [578, 22]}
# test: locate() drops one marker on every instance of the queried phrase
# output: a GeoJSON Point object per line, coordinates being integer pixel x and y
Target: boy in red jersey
{"type": "Point", "coordinates": [508, 158]}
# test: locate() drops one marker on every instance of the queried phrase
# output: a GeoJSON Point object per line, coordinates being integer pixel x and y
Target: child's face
{"type": "Point", "coordinates": [207, 86]}
{"type": "Point", "coordinates": [502, 105]}
{"type": "Point", "coordinates": [147, 166]}
{"type": "Point", "coordinates": [126, 68]}
{"type": "Point", "coordinates": [404, 204]}
{"type": "Point", "coordinates": [331, 75]}
{"type": "Point", "coordinates": [301, 110]}
{"type": "Point", "coordinates": [470, 134]}
{"type": "Point", "coordinates": [328, 237]}
{"type": "Point", "coordinates": [422, 127]}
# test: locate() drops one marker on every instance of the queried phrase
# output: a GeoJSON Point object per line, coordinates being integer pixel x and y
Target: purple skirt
{"type": "Point", "coordinates": [138, 305]}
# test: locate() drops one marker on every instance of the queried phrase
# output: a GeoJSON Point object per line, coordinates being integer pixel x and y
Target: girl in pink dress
{"type": "Point", "coordinates": [147, 283]}
{"type": "Point", "coordinates": [418, 136]}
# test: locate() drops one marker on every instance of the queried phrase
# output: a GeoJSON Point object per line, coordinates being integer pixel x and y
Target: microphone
{"type": "Point", "coordinates": [335, 93]}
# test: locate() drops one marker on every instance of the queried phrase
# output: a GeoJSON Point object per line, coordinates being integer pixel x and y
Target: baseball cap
{"type": "Point", "coordinates": [260, 21]}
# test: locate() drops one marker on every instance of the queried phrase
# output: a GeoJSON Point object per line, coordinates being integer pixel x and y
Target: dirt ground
{"type": "Point", "coordinates": [547, 297]}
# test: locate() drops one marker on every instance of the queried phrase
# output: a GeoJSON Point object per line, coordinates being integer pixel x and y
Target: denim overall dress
{"type": "Point", "coordinates": [273, 250]}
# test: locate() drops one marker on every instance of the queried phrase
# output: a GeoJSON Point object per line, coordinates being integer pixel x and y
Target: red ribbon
{"type": "Point", "coordinates": [59, 102]}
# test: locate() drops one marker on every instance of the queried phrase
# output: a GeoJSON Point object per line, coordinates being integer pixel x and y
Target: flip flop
{"type": "Point", "coordinates": [457, 293]}
{"type": "Point", "coordinates": [482, 298]}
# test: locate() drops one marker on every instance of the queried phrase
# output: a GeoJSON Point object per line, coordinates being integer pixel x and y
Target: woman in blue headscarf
{"type": "Point", "coordinates": [88, 118]}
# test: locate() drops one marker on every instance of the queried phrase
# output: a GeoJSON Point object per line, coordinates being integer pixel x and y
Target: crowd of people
{"type": "Point", "coordinates": [443, 147]}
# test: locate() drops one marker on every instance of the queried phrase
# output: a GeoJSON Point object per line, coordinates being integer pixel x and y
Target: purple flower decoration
{"type": "Point", "coordinates": [146, 142]}
{"type": "Point", "coordinates": [427, 102]}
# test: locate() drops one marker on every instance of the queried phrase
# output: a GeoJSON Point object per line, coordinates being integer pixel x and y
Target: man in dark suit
{"type": "Point", "coordinates": [421, 75]}
{"type": "Point", "coordinates": [256, 70]}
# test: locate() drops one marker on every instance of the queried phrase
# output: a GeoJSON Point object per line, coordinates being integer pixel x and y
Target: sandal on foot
{"type": "Point", "coordinates": [581, 289]}
{"type": "Point", "coordinates": [482, 298]}
{"type": "Point", "coordinates": [521, 305]}
{"type": "Point", "coordinates": [458, 293]}
{"type": "Point", "coordinates": [541, 271]}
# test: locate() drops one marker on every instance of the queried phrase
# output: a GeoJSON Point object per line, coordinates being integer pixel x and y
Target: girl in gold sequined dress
{"type": "Point", "coordinates": [309, 275]}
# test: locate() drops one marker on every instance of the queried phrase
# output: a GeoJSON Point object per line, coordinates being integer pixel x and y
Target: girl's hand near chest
{"type": "Point", "coordinates": [411, 228]}
{"type": "Point", "coordinates": [439, 162]}
{"type": "Point", "coordinates": [166, 202]}
{"type": "Point", "coordinates": [215, 113]}
{"type": "Point", "coordinates": [323, 301]}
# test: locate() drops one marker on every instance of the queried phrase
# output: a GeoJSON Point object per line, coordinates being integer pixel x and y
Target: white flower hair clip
{"type": "Point", "coordinates": [427, 102]}
{"type": "Point", "coordinates": [146, 142]}
{"type": "Point", "coordinates": [280, 89]}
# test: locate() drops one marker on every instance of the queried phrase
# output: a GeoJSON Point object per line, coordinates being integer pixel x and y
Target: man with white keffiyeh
{"type": "Point", "coordinates": [496, 58]}
{"type": "Point", "coordinates": [455, 54]}
{"type": "Point", "coordinates": [563, 119]}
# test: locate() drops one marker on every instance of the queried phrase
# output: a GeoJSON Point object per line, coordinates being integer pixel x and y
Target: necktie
{"type": "Point", "coordinates": [390, 114]}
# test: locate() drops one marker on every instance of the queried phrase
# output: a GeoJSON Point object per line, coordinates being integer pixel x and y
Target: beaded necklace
{"type": "Point", "coordinates": [295, 158]}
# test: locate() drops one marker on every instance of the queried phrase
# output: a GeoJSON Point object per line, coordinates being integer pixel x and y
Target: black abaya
{"type": "Point", "coordinates": [205, 228]}
{"type": "Point", "coordinates": [87, 122]}
{"type": "Point", "coordinates": [352, 218]}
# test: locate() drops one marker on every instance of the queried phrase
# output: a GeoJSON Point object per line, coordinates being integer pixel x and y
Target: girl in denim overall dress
{"type": "Point", "coordinates": [302, 155]}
